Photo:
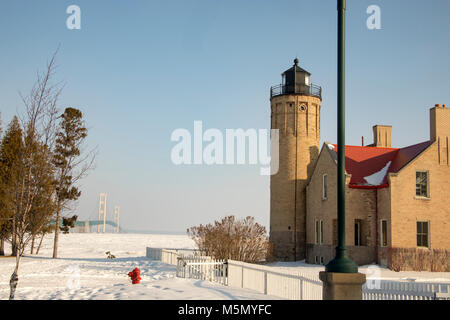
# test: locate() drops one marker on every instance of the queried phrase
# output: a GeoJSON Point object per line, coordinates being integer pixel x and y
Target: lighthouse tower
{"type": "Point", "coordinates": [295, 112]}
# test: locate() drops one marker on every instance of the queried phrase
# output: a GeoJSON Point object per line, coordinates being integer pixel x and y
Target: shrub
{"type": "Point", "coordinates": [440, 261]}
{"type": "Point", "coordinates": [419, 259]}
{"type": "Point", "coordinates": [230, 238]}
{"type": "Point", "coordinates": [397, 258]}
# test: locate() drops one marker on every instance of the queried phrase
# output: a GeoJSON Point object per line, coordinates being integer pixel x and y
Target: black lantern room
{"type": "Point", "coordinates": [296, 80]}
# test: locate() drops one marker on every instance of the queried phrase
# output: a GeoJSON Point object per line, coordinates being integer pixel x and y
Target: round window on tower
{"type": "Point", "coordinates": [303, 108]}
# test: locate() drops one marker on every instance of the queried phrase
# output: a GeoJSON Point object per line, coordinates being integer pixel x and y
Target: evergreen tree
{"type": "Point", "coordinates": [68, 223]}
{"type": "Point", "coordinates": [11, 153]}
{"type": "Point", "coordinates": [3, 221]}
{"type": "Point", "coordinates": [36, 181]}
{"type": "Point", "coordinates": [67, 154]}
{"type": "Point", "coordinates": [43, 210]}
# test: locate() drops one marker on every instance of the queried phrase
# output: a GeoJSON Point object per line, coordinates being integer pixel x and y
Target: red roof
{"type": "Point", "coordinates": [362, 162]}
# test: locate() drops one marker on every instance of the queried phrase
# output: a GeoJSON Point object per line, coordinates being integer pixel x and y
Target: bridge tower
{"type": "Point", "coordinates": [102, 211]}
{"type": "Point", "coordinates": [116, 218]}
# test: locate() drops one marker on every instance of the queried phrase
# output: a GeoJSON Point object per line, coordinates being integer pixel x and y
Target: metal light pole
{"type": "Point", "coordinates": [341, 263]}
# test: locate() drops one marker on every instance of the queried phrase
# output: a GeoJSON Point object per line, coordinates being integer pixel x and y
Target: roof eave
{"type": "Point", "coordinates": [411, 160]}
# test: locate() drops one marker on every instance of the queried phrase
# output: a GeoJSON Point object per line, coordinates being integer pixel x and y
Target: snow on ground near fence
{"type": "Point", "coordinates": [369, 270]}
{"type": "Point", "coordinates": [41, 277]}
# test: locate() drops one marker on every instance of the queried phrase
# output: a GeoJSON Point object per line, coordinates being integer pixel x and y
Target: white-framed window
{"type": "Point", "coordinates": [422, 184]}
{"type": "Point", "coordinates": [321, 260]}
{"type": "Point", "coordinates": [318, 231]}
{"type": "Point", "coordinates": [316, 260]}
{"type": "Point", "coordinates": [383, 233]}
{"type": "Point", "coordinates": [423, 234]}
{"type": "Point", "coordinates": [324, 187]}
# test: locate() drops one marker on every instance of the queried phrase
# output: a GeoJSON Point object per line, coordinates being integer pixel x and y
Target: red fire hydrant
{"type": "Point", "coordinates": [135, 276]}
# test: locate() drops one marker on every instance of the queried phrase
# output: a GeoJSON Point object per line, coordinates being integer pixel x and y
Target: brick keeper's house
{"type": "Point", "coordinates": [397, 201]}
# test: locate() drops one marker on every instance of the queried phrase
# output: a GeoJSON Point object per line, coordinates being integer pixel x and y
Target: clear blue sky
{"type": "Point", "coordinates": [140, 69]}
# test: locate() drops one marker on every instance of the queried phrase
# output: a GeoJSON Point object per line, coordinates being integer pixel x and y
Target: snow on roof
{"type": "Point", "coordinates": [369, 166]}
{"type": "Point", "coordinates": [377, 178]}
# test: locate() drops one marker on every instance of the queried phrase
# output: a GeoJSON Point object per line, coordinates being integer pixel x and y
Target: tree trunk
{"type": "Point", "coordinates": [14, 238]}
{"type": "Point", "coordinates": [2, 247]}
{"type": "Point", "coordinates": [14, 278]}
{"type": "Point", "coordinates": [40, 242]}
{"type": "Point", "coordinates": [55, 244]}
{"type": "Point", "coordinates": [13, 249]}
{"type": "Point", "coordinates": [32, 244]}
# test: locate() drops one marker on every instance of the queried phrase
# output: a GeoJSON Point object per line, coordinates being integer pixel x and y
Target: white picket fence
{"type": "Point", "coordinates": [294, 285]}
{"type": "Point", "coordinates": [396, 290]}
{"type": "Point", "coordinates": [203, 268]}
{"type": "Point", "coordinates": [270, 281]}
{"type": "Point", "coordinates": [168, 255]}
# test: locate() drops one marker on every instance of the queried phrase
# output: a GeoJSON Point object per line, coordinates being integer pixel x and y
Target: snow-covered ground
{"type": "Point", "coordinates": [83, 272]}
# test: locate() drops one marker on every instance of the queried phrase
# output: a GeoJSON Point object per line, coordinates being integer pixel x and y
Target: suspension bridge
{"type": "Point", "coordinates": [101, 222]}
{"type": "Point", "coordinates": [85, 226]}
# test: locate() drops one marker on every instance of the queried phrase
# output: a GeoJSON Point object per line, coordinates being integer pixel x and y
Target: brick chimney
{"type": "Point", "coordinates": [440, 131]}
{"type": "Point", "coordinates": [382, 136]}
{"type": "Point", "coordinates": [439, 122]}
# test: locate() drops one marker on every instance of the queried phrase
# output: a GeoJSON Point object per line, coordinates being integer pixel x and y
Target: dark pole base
{"type": "Point", "coordinates": [341, 263]}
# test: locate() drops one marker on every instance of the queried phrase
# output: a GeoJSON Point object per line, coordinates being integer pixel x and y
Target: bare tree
{"type": "Point", "coordinates": [36, 170]}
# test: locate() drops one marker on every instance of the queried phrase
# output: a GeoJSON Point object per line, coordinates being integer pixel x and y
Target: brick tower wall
{"type": "Point", "coordinates": [298, 151]}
